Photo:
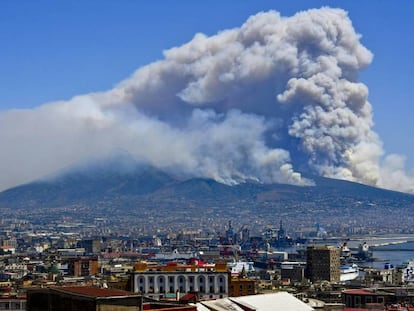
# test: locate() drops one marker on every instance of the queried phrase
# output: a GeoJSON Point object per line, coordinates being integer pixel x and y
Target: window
{"type": "Point", "coordinates": [357, 301]}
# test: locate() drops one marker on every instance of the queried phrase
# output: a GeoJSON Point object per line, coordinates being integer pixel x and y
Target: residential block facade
{"type": "Point", "coordinates": [209, 281]}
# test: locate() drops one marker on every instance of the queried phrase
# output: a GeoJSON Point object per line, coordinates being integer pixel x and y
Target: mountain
{"type": "Point", "coordinates": [88, 186]}
{"type": "Point", "coordinates": [120, 187]}
{"type": "Point", "coordinates": [143, 197]}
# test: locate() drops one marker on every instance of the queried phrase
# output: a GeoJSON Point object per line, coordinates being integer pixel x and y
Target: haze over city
{"type": "Point", "coordinates": [255, 91]}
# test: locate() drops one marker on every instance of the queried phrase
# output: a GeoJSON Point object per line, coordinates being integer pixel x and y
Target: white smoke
{"type": "Point", "coordinates": [261, 102]}
{"type": "Point", "coordinates": [394, 176]}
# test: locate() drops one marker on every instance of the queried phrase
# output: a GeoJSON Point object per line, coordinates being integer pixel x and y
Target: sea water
{"type": "Point", "coordinates": [395, 254]}
{"type": "Point", "coordinates": [395, 250]}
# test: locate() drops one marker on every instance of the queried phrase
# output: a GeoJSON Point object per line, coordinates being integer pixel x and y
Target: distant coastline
{"type": "Point", "coordinates": [394, 249]}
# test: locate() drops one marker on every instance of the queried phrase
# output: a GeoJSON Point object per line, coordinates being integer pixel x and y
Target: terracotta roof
{"type": "Point", "coordinates": [93, 291]}
{"type": "Point", "coordinates": [188, 296]}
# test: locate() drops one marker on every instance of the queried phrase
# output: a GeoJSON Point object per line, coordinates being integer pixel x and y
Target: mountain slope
{"type": "Point", "coordinates": [85, 187]}
{"type": "Point", "coordinates": [146, 184]}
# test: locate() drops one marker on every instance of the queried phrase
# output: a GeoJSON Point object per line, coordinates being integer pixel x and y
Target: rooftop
{"type": "Point", "coordinates": [94, 292]}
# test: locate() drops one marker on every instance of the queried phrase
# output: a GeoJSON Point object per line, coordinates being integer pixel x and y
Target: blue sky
{"type": "Point", "coordinates": [54, 50]}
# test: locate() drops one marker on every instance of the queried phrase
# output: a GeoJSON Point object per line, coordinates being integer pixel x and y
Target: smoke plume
{"type": "Point", "coordinates": [275, 97]}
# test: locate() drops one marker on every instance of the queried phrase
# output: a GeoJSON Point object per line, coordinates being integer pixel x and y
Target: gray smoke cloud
{"type": "Point", "coordinates": [261, 102]}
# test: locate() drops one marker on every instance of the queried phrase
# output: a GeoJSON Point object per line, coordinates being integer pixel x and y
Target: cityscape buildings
{"type": "Point", "coordinates": [192, 265]}
{"type": "Point", "coordinates": [323, 263]}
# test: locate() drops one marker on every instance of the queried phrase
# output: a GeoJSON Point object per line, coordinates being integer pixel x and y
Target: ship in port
{"type": "Point", "coordinates": [408, 271]}
{"type": "Point", "coordinates": [349, 272]}
{"type": "Point", "coordinates": [364, 252]}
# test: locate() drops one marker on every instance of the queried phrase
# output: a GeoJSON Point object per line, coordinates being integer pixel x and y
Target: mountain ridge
{"type": "Point", "coordinates": [115, 187]}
